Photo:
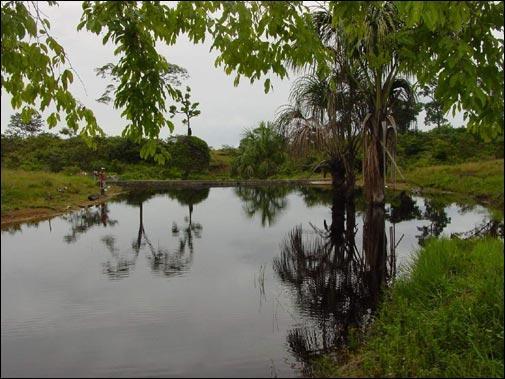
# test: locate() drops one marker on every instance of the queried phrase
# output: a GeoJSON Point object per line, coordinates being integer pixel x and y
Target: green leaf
{"type": "Point", "coordinates": [267, 85]}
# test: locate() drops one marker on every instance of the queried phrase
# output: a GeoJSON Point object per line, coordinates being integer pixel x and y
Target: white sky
{"type": "Point", "coordinates": [226, 110]}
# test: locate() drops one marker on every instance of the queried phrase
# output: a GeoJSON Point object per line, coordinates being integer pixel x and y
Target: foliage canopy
{"type": "Point", "coordinates": [453, 43]}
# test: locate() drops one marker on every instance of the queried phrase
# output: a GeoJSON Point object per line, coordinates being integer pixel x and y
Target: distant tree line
{"type": "Point", "coordinates": [264, 152]}
{"type": "Point", "coordinates": [186, 155]}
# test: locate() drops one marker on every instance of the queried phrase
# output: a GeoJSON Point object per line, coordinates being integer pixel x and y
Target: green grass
{"type": "Point", "coordinates": [481, 180]}
{"type": "Point", "coordinates": [37, 189]}
{"type": "Point", "coordinates": [443, 319]}
{"type": "Point", "coordinates": [220, 161]}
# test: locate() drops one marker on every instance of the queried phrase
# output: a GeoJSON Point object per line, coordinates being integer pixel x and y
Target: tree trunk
{"type": "Point", "coordinates": [373, 164]}
{"type": "Point", "coordinates": [141, 226]}
{"type": "Point", "coordinates": [338, 175]}
{"type": "Point", "coordinates": [338, 209]}
{"type": "Point", "coordinates": [350, 183]}
{"type": "Point", "coordinates": [374, 250]}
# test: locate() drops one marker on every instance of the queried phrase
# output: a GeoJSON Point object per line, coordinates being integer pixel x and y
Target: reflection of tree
{"type": "Point", "coordinates": [436, 214]}
{"type": "Point", "coordinates": [333, 283]}
{"type": "Point", "coordinates": [16, 227]}
{"type": "Point", "coordinates": [81, 221]}
{"type": "Point", "coordinates": [162, 260]}
{"type": "Point", "coordinates": [313, 196]}
{"type": "Point", "coordinates": [267, 201]}
{"type": "Point", "coordinates": [119, 266]}
{"type": "Point", "coordinates": [488, 228]}
{"type": "Point", "coordinates": [12, 229]}
{"type": "Point", "coordinates": [403, 208]}
{"type": "Point", "coordinates": [188, 197]}
{"type": "Point", "coordinates": [137, 198]}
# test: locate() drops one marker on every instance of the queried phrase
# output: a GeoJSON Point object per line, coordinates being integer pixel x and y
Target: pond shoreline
{"type": "Point", "coordinates": [181, 183]}
{"type": "Point", "coordinates": [39, 214]}
{"type": "Point", "coordinates": [122, 186]}
{"type": "Point", "coordinates": [401, 185]}
{"type": "Point", "coordinates": [416, 334]}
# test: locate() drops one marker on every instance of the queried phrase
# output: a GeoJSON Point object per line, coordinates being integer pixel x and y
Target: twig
{"type": "Point", "coordinates": [36, 6]}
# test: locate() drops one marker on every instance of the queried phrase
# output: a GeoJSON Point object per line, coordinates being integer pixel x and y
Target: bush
{"type": "Point", "coordinates": [445, 145]}
{"type": "Point", "coordinates": [441, 151]}
{"type": "Point", "coordinates": [71, 170]}
{"type": "Point", "coordinates": [444, 319]}
{"type": "Point", "coordinates": [260, 154]}
{"type": "Point", "coordinates": [189, 154]}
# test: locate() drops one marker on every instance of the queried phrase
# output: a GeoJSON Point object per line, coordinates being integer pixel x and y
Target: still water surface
{"type": "Point", "coordinates": [235, 282]}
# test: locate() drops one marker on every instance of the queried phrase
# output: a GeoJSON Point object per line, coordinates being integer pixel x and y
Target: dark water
{"type": "Point", "coordinates": [213, 282]}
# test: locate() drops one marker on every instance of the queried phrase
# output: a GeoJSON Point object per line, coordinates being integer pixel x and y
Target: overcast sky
{"type": "Point", "coordinates": [226, 110]}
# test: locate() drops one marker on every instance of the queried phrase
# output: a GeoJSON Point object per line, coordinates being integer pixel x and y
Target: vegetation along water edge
{"type": "Point", "coordinates": [443, 318]}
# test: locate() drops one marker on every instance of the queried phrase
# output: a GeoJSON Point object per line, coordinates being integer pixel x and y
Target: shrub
{"type": "Point", "coordinates": [189, 154]}
{"type": "Point", "coordinates": [71, 170]}
{"type": "Point", "coordinates": [441, 151]}
{"type": "Point", "coordinates": [260, 154]}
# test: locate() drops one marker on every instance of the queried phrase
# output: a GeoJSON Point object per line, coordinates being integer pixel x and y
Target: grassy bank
{"type": "Point", "coordinates": [39, 193]}
{"type": "Point", "coordinates": [481, 180]}
{"type": "Point", "coordinates": [445, 319]}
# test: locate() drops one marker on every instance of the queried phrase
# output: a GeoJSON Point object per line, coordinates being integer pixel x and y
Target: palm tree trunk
{"type": "Point", "coordinates": [374, 164]}
{"type": "Point", "coordinates": [374, 249]}
{"type": "Point", "coordinates": [338, 175]}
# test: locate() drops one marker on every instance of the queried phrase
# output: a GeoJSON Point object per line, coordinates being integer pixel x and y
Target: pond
{"type": "Point", "coordinates": [234, 282]}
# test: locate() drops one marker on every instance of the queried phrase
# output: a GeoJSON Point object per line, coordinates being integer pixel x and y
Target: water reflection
{"type": "Point", "coordinates": [268, 202]}
{"type": "Point", "coordinates": [403, 208]}
{"type": "Point", "coordinates": [163, 260]}
{"type": "Point", "coordinates": [15, 228]}
{"type": "Point", "coordinates": [118, 266]}
{"type": "Point", "coordinates": [191, 228]}
{"type": "Point", "coordinates": [81, 221]}
{"type": "Point", "coordinates": [334, 284]}
{"type": "Point", "coordinates": [313, 196]}
{"type": "Point", "coordinates": [326, 283]}
{"type": "Point", "coordinates": [435, 212]}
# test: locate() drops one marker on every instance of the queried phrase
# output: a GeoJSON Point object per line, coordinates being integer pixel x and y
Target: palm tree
{"type": "Point", "coordinates": [260, 153]}
{"type": "Point", "coordinates": [335, 111]}
{"type": "Point", "coordinates": [325, 119]}
{"type": "Point", "coordinates": [375, 52]}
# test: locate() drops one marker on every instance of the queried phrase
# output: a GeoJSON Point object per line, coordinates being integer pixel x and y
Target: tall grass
{"type": "Point", "coordinates": [37, 189]}
{"type": "Point", "coordinates": [482, 180]}
{"type": "Point", "coordinates": [444, 319]}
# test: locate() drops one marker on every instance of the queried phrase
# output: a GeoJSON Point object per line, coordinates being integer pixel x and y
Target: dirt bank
{"type": "Point", "coordinates": [39, 214]}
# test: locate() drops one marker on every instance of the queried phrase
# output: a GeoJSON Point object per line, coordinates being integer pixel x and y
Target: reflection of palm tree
{"type": "Point", "coordinates": [161, 259]}
{"type": "Point", "coordinates": [187, 232]}
{"type": "Point", "coordinates": [336, 285]}
{"type": "Point", "coordinates": [268, 201]}
{"type": "Point", "coordinates": [137, 198]}
{"type": "Point", "coordinates": [81, 221]}
{"type": "Point", "coordinates": [188, 197]}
